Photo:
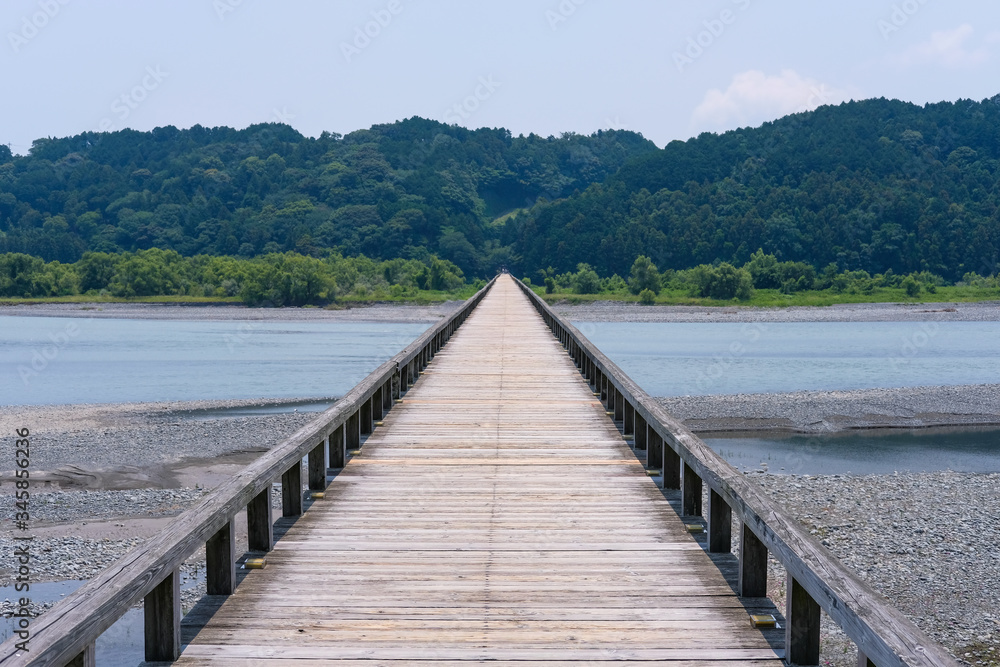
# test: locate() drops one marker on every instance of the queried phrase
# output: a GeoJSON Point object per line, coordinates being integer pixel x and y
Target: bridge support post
{"type": "Point", "coordinates": [404, 380]}
{"type": "Point", "coordinates": [260, 523]}
{"type": "Point", "coordinates": [619, 407]}
{"type": "Point", "coordinates": [641, 431]}
{"type": "Point", "coordinates": [86, 658]}
{"type": "Point", "coordinates": [691, 492]}
{"type": "Point", "coordinates": [220, 561]}
{"type": "Point", "coordinates": [337, 454]}
{"type": "Point", "coordinates": [802, 617]}
{"type": "Point", "coordinates": [291, 490]}
{"type": "Point", "coordinates": [654, 453]}
{"type": "Point", "coordinates": [366, 416]}
{"type": "Point", "coordinates": [603, 379]}
{"type": "Point", "coordinates": [610, 393]}
{"type": "Point", "coordinates": [162, 620]}
{"type": "Point", "coordinates": [317, 468]}
{"type": "Point", "coordinates": [671, 466]}
{"type": "Point", "coordinates": [387, 396]}
{"type": "Point", "coordinates": [753, 564]}
{"type": "Point", "coordinates": [353, 432]}
{"type": "Point", "coordinates": [629, 426]}
{"type": "Point", "coordinates": [720, 524]}
{"type": "Point", "coordinates": [377, 404]}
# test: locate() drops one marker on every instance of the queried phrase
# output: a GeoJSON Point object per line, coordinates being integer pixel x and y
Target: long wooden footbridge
{"type": "Point", "coordinates": [511, 498]}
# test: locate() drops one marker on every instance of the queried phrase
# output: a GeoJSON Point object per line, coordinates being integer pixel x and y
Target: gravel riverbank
{"type": "Point", "coordinates": [928, 542]}
{"type": "Point", "coordinates": [829, 411]}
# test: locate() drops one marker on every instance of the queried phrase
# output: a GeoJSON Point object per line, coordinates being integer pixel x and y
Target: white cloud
{"type": "Point", "coordinates": [950, 48]}
{"type": "Point", "coordinates": [754, 97]}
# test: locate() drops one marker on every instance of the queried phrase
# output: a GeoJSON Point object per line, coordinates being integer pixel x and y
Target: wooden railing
{"type": "Point", "coordinates": [65, 635]}
{"type": "Point", "coordinates": [816, 578]}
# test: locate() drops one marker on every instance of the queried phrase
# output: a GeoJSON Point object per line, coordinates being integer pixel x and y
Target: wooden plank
{"type": "Point", "coordinates": [497, 515]}
{"type": "Point", "coordinates": [884, 632]}
{"type": "Point", "coordinates": [63, 632]}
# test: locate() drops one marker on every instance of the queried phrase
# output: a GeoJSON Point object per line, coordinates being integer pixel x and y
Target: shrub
{"type": "Point", "coordinates": [647, 297]}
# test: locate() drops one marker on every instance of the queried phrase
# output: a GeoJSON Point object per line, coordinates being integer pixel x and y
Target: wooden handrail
{"type": "Point", "coordinates": [68, 630]}
{"type": "Point", "coordinates": [881, 632]}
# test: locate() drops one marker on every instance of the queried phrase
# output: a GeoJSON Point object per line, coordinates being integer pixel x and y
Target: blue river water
{"type": "Point", "coordinates": [48, 360]}
{"type": "Point", "coordinates": [73, 360]}
{"type": "Point", "coordinates": [700, 359]}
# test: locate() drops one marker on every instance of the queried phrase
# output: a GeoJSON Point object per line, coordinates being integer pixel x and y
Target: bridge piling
{"type": "Point", "coordinates": [802, 618]}
{"type": "Point", "coordinates": [690, 492]}
{"type": "Point", "coordinates": [753, 564]}
{"type": "Point", "coordinates": [260, 522]}
{"type": "Point", "coordinates": [162, 620]}
{"type": "Point", "coordinates": [337, 450]}
{"type": "Point", "coordinates": [671, 465]}
{"type": "Point", "coordinates": [220, 561]}
{"type": "Point", "coordinates": [317, 467]}
{"type": "Point", "coordinates": [720, 524]}
{"type": "Point", "coordinates": [291, 490]}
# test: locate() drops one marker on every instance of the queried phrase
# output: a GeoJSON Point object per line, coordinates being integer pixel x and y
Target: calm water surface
{"type": "Point", "coordinates": [863, 452]}
{"type": "Point", "coordinates": [47, 360]}
{"type": "Point", "coordinates": [668, 359]}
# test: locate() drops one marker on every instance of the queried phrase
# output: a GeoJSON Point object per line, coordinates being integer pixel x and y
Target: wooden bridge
{"type": "Point", "coordinates": [500, 512]}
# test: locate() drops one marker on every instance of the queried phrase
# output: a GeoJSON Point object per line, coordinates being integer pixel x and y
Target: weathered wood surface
{"type": "Point", "coordinates": [68, 629]}
{"type": "Point", "coordinates": [881, 632]}
{"type": "Point", "coordinates": [497, 515]}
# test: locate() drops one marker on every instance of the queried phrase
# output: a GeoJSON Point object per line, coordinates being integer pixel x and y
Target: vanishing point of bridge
{"type": "Point", "coordinates": [496, 514]}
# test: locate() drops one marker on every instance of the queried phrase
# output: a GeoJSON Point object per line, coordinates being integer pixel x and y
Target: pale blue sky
{"type": "Point", "coordinates": [543, 66]}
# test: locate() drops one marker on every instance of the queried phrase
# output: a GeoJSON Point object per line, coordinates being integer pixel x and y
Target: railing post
{"type": "Point", "coordinates": [162, 620]}
{"type": "Point", "coordinates": [353, 432]}
{"type": "Point", "coordinates": [317, 468]}
{"type": "Point", "coordinates": [220, 561]}
{"type": "Point", "coordinates": [629, 427]}
{"type": "Point", "coordinates": [610, 393]}
{"type": "Point", "coordinates": [291, 490]}
{"type": "Point", "coordinates": [641, 431]}
{"type": "Point", "coordinates": [338, 453]}
{"type": "Point", "coordinates": [604, 388]}
{"type": "Point", "coordinates": [802, 617]}
{"type": "Point", "coordinates": [671, 466]}
{"type": "Point", "coordinates": [86, 658]}
{"type": "Point", "coordinates": [691, 492]}
{"type": "Point", "coordinates": [720, 524]}
{"type": "Point", "coordinates": [863, 660]}
{"type": "Point", "coordinates": [366, 416]}
{"type": "Point", "coordinates": [404, 380]}
{"type": "Point", "coordinates": [260, 523]}
{"type": "Point", "coordinates": [387, 396]}
{"type": "Point", "coordinates": [377, 403]}
{"type": "Point", "coordinates": [753, 564]}
{"type": "Point", "coordinates": [654, 453]}
{"type": "Point", "coordinates": [619, 407]}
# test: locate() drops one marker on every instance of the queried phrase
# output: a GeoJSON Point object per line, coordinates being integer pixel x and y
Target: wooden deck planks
{"type": "Point", "coordinates": [497, 516]}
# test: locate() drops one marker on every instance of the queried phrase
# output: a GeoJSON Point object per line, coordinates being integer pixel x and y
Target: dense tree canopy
{"type": "Point", "coordinates": [875, 186]}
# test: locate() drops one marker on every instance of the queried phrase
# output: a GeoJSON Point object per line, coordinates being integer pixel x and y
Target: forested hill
{"type": "Point", "coordinates": [411, 189]}
{"type": "Point", "coordinates": [869, 185]}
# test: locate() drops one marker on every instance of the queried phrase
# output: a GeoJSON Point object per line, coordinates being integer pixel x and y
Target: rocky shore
{"type": "Point", "coordinates": [928, 542]}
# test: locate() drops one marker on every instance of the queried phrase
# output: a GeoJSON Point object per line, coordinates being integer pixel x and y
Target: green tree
{"type": "Point", "coordinates": [644, 276]}
{"type": "Point", "coordinates": [586, 280]}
